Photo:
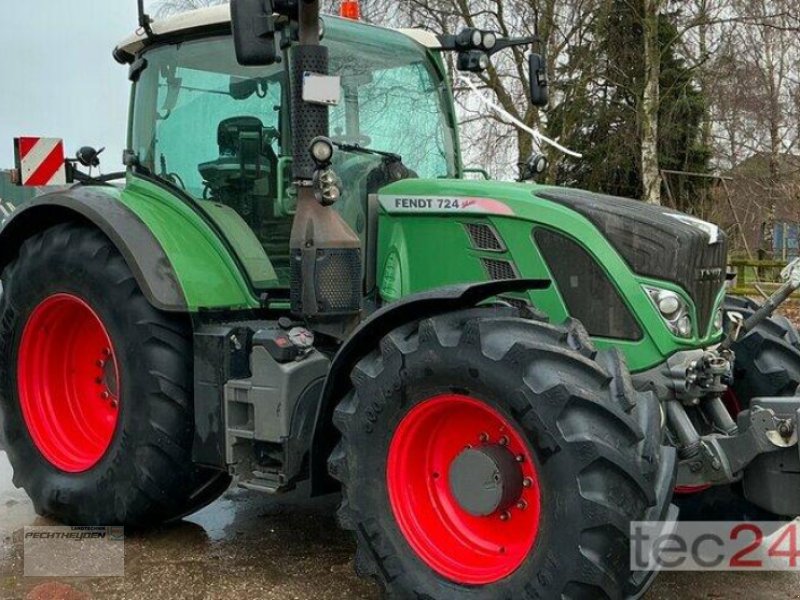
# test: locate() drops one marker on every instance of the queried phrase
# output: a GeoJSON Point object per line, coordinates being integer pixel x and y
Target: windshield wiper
{"type": "Point", "coordinates": [364, 150]}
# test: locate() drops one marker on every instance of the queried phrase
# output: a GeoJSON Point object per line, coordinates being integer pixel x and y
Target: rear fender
{"type": "Point", "coordinates": [179, 259]}
{"type": "Point", "coordinates": [98, 206]}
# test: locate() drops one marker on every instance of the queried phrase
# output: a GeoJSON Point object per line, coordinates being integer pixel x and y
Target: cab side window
{"type": "Point", "coordinates": [216, 134]}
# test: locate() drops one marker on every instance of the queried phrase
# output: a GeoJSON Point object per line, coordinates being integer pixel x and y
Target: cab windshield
{"type": "Point", "coordinates": [221, 133]}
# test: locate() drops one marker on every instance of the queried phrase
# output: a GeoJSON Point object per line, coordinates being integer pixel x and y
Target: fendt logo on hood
{"type": "Point", "coordinates": [443, 204]}
{"type": "Point", "coordinates": [709, 274]}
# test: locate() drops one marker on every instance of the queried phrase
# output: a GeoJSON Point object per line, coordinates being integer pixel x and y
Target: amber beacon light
{"type": "Point", "coordinates": [350, 9]}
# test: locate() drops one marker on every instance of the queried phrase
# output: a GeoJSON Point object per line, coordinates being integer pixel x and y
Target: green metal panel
{"type": "Point", "coordinates": [422, 249]}
{"type": "Point", "coordinates": [207, 272]}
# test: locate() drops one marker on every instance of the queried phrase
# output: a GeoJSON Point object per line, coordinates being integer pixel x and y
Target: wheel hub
{"type": "Point", "coordinates": [486, 480]}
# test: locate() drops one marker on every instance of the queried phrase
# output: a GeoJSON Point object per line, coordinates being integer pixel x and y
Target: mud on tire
{"type": "Point", "coordinates": [596, 444]}
{"type": "Point", "coordinates": [145, 475]}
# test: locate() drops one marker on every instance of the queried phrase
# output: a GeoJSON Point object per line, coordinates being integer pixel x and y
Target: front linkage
{"type": "Point", "coordinates": [760, 446]}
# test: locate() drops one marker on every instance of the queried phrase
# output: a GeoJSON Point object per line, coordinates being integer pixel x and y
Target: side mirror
{"type": "Point", "coordinates": [540, 93]}
{"type": "Point", "coordinates": [88, 156]}
{"type": "Point", "coordinates": [254, 32]}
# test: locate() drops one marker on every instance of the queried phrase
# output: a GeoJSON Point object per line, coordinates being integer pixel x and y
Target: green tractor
{"type": "Point", "coordinates": [297, 285]}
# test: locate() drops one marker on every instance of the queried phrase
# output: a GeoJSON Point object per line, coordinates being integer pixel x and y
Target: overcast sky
{"type": "Point", "coordinates": [57, 76]}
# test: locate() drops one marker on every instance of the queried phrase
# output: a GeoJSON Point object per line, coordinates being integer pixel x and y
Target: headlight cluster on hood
{"type": "Point", "coordinates": [674, 310]}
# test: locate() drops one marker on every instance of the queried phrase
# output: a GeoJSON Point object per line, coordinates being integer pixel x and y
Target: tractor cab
{"type": "Point", "coordinates": [221, 132]}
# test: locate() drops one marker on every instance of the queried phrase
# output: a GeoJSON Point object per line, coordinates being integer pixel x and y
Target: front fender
{"type": "Point", "coordinates": [410, 308]}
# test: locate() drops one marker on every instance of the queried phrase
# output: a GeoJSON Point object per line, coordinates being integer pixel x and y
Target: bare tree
{"type": "Point", "coordinates": [166, 8]}
{"type": "Point", "coordinates": [755, 109]}
{"type": "Point", "coordinates": [648, 115]}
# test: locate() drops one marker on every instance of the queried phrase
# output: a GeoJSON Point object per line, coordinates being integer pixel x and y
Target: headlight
{"type": "Point", "coordinates": [321, 151]}
{"type": "Point", "coordinates": [673, 310]}
{"type": "Point", "coordinates": [668, 303]}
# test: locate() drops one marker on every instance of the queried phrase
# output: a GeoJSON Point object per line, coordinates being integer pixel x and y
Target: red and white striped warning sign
{"type": "Point", "coordinates": [40, 161]}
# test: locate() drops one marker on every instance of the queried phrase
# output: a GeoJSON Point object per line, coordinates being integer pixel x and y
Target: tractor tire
{"type": "Point", "coordinates": [484, 455]}
{"type": "Point", "coordinates": [767, 358]}
{"type": "Point", "coordinates": [96, 388]}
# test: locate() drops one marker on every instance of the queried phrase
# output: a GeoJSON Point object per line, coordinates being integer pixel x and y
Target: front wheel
{"type": "Point", "coordinates": [95, 388]}
{"type": "Point", "coordinates": [484, 455]}
{"type": "Point", "coordinates": [767, 357]}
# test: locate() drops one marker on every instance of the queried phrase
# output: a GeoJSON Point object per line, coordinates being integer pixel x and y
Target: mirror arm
{"type": "Point", "coordinates": [505, 43]}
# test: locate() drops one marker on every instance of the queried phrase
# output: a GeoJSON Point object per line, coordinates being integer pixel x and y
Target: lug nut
{"type": "Point", "coordinates": [505, 515]}
{"type": "Point", "coordinates": [503, 441]}
{"type": "Point", "coordinates": [101, 363]}
{"type": "Point", "coordinates": [105, 395]}
{"type": "Point", "coordinates": [527, 482]}
{"type": "Point", "coordinates": [114, 404]}
{"type": "Point", "coordinates": [106, 351]}
{"type": "Point", "coordinates": [483, 438]}
{"type": "Point", "coordinates": [522, 505]}
{"type": "Point", "coordinates": [520, 458]}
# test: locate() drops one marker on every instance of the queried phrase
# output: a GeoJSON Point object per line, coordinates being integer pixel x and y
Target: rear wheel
{"type": "Point", "coordinates": [95, 388]}
{"type": "Point", "coordinates": [484, 455]}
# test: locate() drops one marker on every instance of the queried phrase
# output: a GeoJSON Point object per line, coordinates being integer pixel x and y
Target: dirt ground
{"type": "Point", "coordinates": [249, 546]}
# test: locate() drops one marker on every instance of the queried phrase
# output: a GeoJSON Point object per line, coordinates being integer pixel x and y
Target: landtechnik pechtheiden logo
{"type": "Point", "coordinates": [74, 551]}
{"type": "Point", "coordinates": [715, 546]}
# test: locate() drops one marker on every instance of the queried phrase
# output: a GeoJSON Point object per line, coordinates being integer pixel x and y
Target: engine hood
{"type": "Point", "coordinates": [657, 242]}
{"type": "Point", "coordinates": [654, 241]}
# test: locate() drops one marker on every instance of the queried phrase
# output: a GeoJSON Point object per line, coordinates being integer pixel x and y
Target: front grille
{"type": "Point", "coordinates": [585, 288]}
{"type": "Point", "coordinates": [656, 242]}
{"type": "Point", "coordinates": [484, 237]}
{"type": "Point", "coordinates": [499, 269]}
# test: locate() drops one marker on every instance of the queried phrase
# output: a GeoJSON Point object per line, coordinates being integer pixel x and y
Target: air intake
{"type": "Point", "coordinates": [333, 286]}
{"type": "Point", "coordinates": [499, 269]}
{"type": "Point", "coordinates": [484, 237]}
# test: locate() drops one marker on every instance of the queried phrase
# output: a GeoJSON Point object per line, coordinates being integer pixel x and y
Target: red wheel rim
{"type": "Point", "coordinates": [68, 382]}
{"type": "Point", "coordinates": [461, 547]}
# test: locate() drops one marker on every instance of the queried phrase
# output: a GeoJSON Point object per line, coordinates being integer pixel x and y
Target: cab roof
{"type": "Point", "coordinates": [219, 16]}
